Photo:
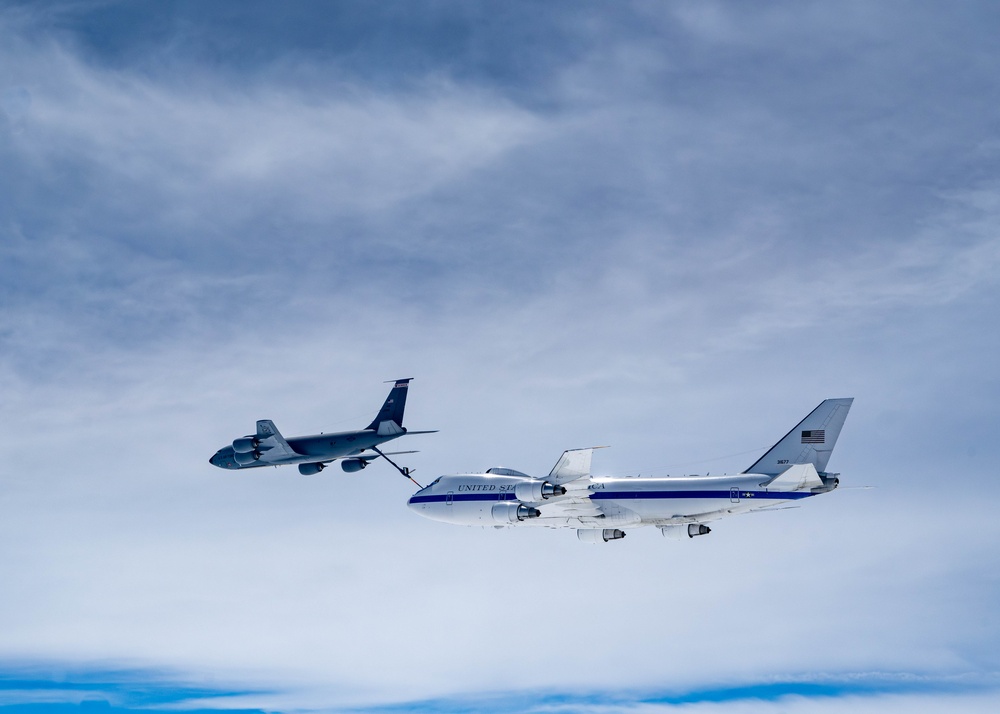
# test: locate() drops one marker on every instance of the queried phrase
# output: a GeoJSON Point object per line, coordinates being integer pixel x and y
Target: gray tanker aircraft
{"type": "Point", "coordinates": [600, 508]}
{"type": "Point", "coordinates": [312, 453]}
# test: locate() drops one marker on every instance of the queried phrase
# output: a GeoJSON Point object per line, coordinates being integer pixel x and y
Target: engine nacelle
{"type": "Point", "coordinates": [599, 535]}
{"type": "Point", "coordinates": [534, 491]}
{"type": "Point", "coordinates": [353, 465]}
{"type": "Point", "coordinates": [311, 469]}
{"type": "Point", "coordinates": [689, 531]}
{"type": "Point", "coordinates": [513, 512]}
{"type": "Point", "coordinates": [246, 457]}
{"type": "Point", "coordinates": [246, 445]}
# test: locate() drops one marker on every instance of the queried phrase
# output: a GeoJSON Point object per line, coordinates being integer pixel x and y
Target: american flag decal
{"type": "Point", "coordinates": [816, 436]}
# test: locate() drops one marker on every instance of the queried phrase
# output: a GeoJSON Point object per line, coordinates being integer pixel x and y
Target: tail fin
{"type": "Point", "coordinates": [810, 442]}
{"type": "Point", "coordinates": [390, 416]}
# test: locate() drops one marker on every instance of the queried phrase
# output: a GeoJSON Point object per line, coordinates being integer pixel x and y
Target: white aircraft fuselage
{"type": "Point", "coordinates": [600, 507]}
{"type": "Point", "coordinates": [472, 500]}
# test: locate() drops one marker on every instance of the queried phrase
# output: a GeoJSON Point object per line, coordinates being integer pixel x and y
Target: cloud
{"type": "Point", "coordinates": [137, 691]}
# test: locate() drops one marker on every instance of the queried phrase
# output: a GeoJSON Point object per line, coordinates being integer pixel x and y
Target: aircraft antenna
{"type": "Point", "coordinates": [403, 470]}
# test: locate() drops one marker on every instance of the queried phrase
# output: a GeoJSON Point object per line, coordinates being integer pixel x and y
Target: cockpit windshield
{"type": "Point", "coordinates": [500, 471]}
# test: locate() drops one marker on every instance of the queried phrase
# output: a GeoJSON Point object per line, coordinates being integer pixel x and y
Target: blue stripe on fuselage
{"type": "Point", "coordinates": [626, 495]}
{"type": "Point", "coordinates": [743, 495]}
{"type": "Point", "coordinates": [462, 497]}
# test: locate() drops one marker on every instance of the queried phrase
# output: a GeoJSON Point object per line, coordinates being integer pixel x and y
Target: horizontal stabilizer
{"type": "Point", "coordinates": [389, 428]}
{"type": "Point", "coordinates": [801, 477]}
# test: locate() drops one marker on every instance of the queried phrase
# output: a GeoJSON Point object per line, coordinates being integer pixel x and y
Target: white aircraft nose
{"type": "Point", "coordinates": [415, 503]}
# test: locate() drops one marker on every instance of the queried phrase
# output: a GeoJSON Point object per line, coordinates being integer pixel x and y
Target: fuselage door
{"type": "Point", "coordinates": [734, 495]}
{"type": "Point", "coordinates": [448, 499]}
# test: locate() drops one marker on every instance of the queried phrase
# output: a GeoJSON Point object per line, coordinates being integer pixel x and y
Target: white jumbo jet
{"type": "Point", "coordinates": [600, 507]}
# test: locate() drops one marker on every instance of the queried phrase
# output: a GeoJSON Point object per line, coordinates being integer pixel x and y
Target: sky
{"type": "Point", "coordinates": [668, 227]}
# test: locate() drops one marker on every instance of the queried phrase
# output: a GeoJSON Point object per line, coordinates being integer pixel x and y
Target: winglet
{"type": "Point", "coordinates": [572, 465]}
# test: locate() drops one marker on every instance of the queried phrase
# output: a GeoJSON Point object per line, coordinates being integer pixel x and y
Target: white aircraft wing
{"type": "Point", "coordinates": [577, 508]}
{"type": "Point", "coordinates": [273, 446]}
{"type": "Point", "coordinates": [706, 517]}
{"type": "Point", "coordinates": [576, 503]}
{"type": "Point", "coordinates": [572, 465]}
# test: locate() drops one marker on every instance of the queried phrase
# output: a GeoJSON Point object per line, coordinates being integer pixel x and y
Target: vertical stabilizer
{"type": "Point", "coordinates": [392, 410]}
{"type": "Point", "coordinates": [810, 442]}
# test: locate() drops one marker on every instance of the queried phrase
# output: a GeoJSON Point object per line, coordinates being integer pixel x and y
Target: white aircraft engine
{"type": "Point", "coordinates": [599, 535]}
{"type": "Point", "coordinates": [534, 491]}
{"type": "Point", "coordinates": [513, 512]}
{"type": "Point", "coordinates": [689, 531]}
